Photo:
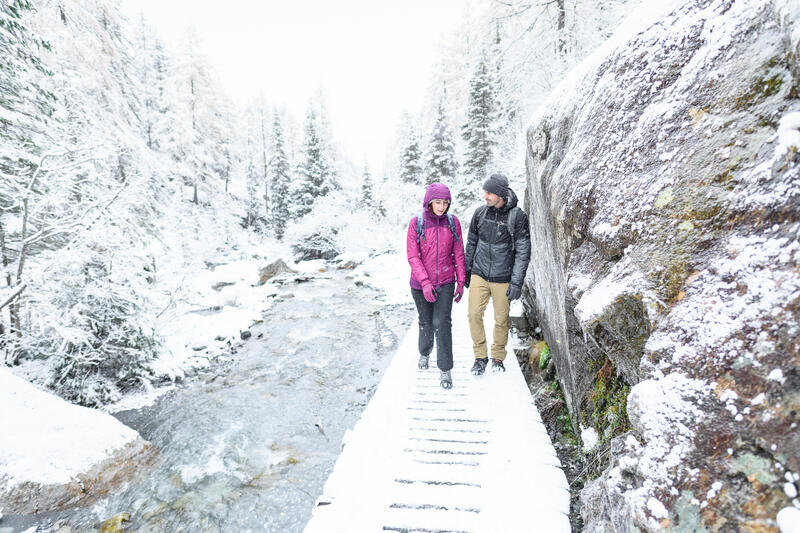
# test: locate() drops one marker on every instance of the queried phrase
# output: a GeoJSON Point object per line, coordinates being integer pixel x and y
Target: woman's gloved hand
{"type": "Point", "coordinates": [459, 292]}
{"type": "Point", "coordinates": [429, 292]}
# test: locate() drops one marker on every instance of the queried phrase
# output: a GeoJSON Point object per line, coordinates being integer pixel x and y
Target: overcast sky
{"type": "Point", "coordinates": [373, 58]}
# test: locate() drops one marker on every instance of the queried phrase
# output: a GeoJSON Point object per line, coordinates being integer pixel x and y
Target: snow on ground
{"type": "Point", "coordinates": [47, 440]}
{"type": "Point", "coordinates": [213, 298]}
{"type": "Point", "coordinates": [203, 322]}
{"type": "Point", "coordinates": [473, 458]}
{"type": "Point", "coordinates": [389, 273]}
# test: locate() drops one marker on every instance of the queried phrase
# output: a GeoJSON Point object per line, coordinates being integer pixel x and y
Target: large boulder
{"type": "Point", "coordinates": [664, 201]}
{"type": "Point", "coordinates": [273, 269]}
{"type": "Point", "coordinates": [55, 455]}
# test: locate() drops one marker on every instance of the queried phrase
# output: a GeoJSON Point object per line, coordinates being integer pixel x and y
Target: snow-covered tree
{"type": "Point", "coordinates": [367, 195]}
{"type": "Point", "coordinates": [316, 177]}
{"type": "Point", "coordinates": [152, 66]}
{"type": "Point", "coordinates": [200, 129]}
{"type": "Point", "coordinates": [254, 184]}
{"type": "Point", "coordinates": [505, 124]}
{"type": "Point", "coordinates": [440, 163]}
{"type": "Point", "coordinates": [263, 144]}
{"type": "Point", "coordinates": [86, 193]}
{"type": "Point", "coordinates": [26, 105]}
{"type": "Point", "coordinates": [477, 132]}
{"type": "Point", "coordinates": [278, 174]}
{"type": "Point", "coordinates": [411, 158]}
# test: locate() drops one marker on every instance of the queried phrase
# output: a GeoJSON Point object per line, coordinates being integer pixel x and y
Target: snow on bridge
{"type": "Point", "coordinates": [473, 459]}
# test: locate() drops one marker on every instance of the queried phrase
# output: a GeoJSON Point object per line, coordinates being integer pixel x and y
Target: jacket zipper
{"type": "Point", "coordinates": [494, 237]}
{"type": "Point", "coordinates": [437, 253]}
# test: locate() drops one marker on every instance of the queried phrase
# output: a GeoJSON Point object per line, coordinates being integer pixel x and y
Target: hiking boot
{"type": "Point", "coordinates": [423, 362]}
{"type": "Point", "coordinates": [446, 381]}
{"type": "Point", "coordinates": [497, 366]}
{"type": "Point", "coordinates": [480, 366]}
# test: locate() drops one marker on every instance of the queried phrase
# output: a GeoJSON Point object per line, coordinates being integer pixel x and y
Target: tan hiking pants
{"type": "Point", "coordinates": [480, 291]}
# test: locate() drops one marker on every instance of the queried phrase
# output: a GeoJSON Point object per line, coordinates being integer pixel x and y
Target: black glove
{"type": "Point", "coordinates": [513, 292]}
{"type": "Point", "coordinates": [466, 279]}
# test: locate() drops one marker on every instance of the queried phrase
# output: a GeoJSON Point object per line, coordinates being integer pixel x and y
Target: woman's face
{"type": "Point", "coordinates": [439, 206]}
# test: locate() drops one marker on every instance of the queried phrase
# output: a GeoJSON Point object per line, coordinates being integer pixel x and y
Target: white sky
{"type": "Point", "coordinates": [373, 58]}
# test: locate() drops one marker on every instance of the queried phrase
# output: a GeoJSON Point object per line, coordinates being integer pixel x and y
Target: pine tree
{"type": "Point", "coordinates": [506, 108]}
{"type": "Point", "coordinates": [201, 124]}
{"type": "Point", "coordinates": [477, 132]}
{"type": "Point", "coordinates": [25, 111]}
{"type": "Point", "coordinates": [368, 193]}
{"type": "Point", "coordinates": [280, 180]}
{"type": "Point", "coordinates": [411, 159]}
{"type": "Point", "coordinates": [264, 159]}
{"type": "Point", "coordinates": [328, 145]}
{"type": "Point", "coordinates": [366, 186]}
{"type": "Point", "coordinates": [441, 165]}
{"type": "Point", "coordinates": [152, 67]}
{"type": "Point", "coordinates": [26, 105]}
{"type": "Point", "coordinates": [315, 175]}
{"type": "Point", "coordinates": [253, 184]}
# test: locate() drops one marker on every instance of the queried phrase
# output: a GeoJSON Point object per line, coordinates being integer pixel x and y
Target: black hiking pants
{"type": "Point", "coordinates": [435, 321]}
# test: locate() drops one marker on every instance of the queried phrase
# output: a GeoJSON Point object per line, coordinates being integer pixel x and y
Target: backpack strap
{"type": "Point", "coordinates": [452, 223]}
{"type": "Point", "coordinates": [483, 214]}
{"type": "Point", "coordinates": [421, 226]}
{"type": "Point", "coordinates": [512, 219]}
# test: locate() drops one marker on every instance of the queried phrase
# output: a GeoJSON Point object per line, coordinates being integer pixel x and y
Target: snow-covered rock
{"type": "Point", "coordinates": [273, 269]}
{"type": "Point", "coordinates": [664, 200]}
{"type": "Point", "coordinates": [55, 455]}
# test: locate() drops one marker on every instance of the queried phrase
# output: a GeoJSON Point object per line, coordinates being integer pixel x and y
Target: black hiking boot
{"type": "Point", "coordinates": [479, 367]}
{"type": "Point", "coordinates": [497, 366]}
{"type": "Point", "coordinates": [446, 381]}
{"type": "Point", "coordinates": [423, 362]}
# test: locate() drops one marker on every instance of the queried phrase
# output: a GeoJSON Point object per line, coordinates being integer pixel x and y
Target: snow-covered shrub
{"type": "Point", "coordinates": [95, 324]}
{"type": "Point", "coordinates": [319, 244]}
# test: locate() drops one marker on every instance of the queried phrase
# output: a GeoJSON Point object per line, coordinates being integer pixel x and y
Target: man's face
{"type": "Point", "coordinates": [492, 200]}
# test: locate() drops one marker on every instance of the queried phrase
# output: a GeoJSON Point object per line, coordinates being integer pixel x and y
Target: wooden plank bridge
{"type": "Point", "coordinates": [473, 459]}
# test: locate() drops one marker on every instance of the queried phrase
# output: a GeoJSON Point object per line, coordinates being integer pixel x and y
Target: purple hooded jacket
{"type": "Point", "coordinates": [437, 259]}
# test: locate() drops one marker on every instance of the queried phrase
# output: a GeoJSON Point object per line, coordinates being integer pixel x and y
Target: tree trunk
{"type": "Point", "coordinates": [5, 261]}
{"type": "Point", "coordinates": [561, 23]}
{"type": "Point", "coordinates": [264, 161]}
{"type": "Point", "coordinates": [194, 187]}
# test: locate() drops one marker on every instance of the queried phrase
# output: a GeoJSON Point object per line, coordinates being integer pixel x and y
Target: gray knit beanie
{"type": "Point", "coordinates": [497, 184]}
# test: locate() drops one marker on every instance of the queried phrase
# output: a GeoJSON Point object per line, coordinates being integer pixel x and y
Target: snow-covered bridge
{"type": "Point", "coordinates": [472, 459]}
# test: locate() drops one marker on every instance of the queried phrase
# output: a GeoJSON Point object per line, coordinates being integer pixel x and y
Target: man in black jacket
{"type": "Point", "coordinates": [497, 256]}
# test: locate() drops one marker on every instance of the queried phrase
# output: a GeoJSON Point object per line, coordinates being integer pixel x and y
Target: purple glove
{"type": "Point", "coordinates": [429, 292]}
{"type": "Point", "coordinates": [459, 293]}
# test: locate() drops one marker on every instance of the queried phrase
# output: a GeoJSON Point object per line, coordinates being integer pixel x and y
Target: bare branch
{"type": "Point", "coordinates": [61, 227]}
{"type": "Point", "coordinates": [13, 295]}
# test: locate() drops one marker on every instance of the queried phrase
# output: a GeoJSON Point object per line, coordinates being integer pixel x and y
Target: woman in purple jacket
{"type": "Point", "coordinates": [436, 256]}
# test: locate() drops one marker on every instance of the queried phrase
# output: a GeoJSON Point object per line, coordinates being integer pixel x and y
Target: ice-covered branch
{"type": "Point", "coordinates": [14, 294]}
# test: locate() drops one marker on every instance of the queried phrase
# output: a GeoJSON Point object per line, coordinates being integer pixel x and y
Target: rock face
{"type": "Point", "coordinates": [664, 200]}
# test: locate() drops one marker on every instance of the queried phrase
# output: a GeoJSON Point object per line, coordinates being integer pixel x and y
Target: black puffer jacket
{"type": "Point", "coordinates": [490, 253]}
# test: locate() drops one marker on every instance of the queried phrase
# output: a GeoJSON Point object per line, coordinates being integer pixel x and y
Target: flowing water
{"type": "Point", "coordinates": [248, 445]}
